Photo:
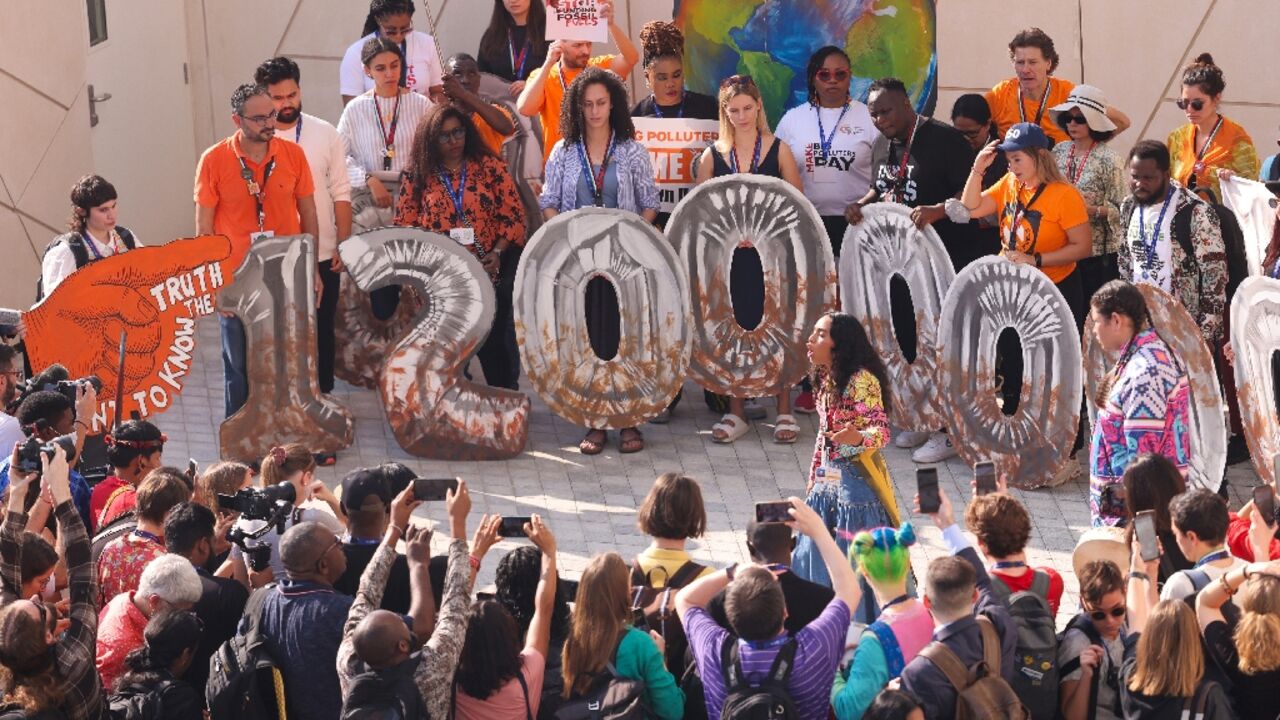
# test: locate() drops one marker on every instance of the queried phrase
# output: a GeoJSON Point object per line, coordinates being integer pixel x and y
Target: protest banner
{"type": "Point", "coordinates": [674, 145]}
{"type": "Point", "coordinates": [153, 295]}
{"type": "Point", "coordinates": [576, 20]}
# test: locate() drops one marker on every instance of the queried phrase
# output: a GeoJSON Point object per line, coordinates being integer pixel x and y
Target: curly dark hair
{"type": "Point", "coordinates": [1206, 74]}
{"type": "Point", "coordinates": [572, 127]}
{"type": "Point", "coordinates": [1036, 38]}
{"type": "Point", "coordinates": [425, 157]}
{"type": "Point", "coordinates": [815, 64]}
{"type": "Point", "coordinates": [132, 433]}
{"type": "Point", "coordinates": [380, 9]}
{"type": "Point", "coordinates": [1000, 523]}
{"type": "Point", "coordinates": [490, 651]}
{"type": "Point", "coordinates": [89, 192]}
{"type": "Point", "coordinates": [852, 351]}
{"type": "Point", "coordinates": [516, 581]}
{"type": "Point", "coordinates": [660, 39]}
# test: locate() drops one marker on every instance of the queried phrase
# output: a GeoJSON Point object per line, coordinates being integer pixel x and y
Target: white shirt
{"type": "Point", "coordinates": [307, 513]}
{"type": "Point", "coordinates": [327, 155]}
{"type": "Point", "coordinates": [1160, 274]}
{"type": "Point", "coordinates": [365, 142]}
{"type": "Point", "coordinates": [831, 182]}
{"type": "Point", "coordinates": [420, 55]}
{"type": "Point", "coordinates": [60, 262]}
{"type": "Point", "coordinates": [10, 431]}
{"type": "Point", "coordinates": [1179, 585]}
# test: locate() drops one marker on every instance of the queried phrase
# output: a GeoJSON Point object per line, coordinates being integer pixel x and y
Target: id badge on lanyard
{"type": "Point", "coordinates": [826, 470]}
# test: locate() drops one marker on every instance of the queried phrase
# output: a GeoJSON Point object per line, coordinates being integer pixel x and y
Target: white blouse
{"type": "Point", "coordinates": [366, 143]}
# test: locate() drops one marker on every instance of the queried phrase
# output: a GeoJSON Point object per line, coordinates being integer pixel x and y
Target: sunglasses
{"type": "Point", "coordinates": [1115, 612]}
{"type": "Point", "coordinates": [1196, 104]}
{"type": "Point", "coordinates": [1074, 120]}
{"type": "Point", "coordinates": [833, 75]}
{"type": "Point", "coordinates": [737, 80]}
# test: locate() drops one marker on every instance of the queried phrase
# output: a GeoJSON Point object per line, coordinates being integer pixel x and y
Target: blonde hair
{"type": "Point", "coordinates": [1170, 659]}
{"type": "Point", "coordinates": [1047, 170]}
{"type": "Point", "coordinates": [601, 612]}
{"type": "Point", "coordinates": [1259, 627]}
{"type": "Point", "coordinates": [730, 89]}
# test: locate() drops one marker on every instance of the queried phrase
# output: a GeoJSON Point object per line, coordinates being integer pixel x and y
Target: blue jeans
{"type": "Point", "coordinates": [234, 373]}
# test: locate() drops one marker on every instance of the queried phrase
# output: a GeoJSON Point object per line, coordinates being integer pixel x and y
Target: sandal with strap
{"type": "Point", "coordinates": [593, 443]}
{"type": "Point", "coordinates": [785, 424]}
{"type": "Point", "coordinates": [630, 440]}
{"type": "Point", "coordinates": [730, 428]}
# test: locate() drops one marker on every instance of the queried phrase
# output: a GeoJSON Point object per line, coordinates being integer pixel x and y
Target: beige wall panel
{"type": "Point", "coordinates": [42, 43]}
{"type": "Point", "coordinates": [973, 35]}
{"type": "Point", "coordinates": [328, 32]}
{"type": "Point", "coordinates": [243, 33]}
{"type": "Point", "coordinates": [320, 88]}
{"type": "Point", "coordinates": [28, 123]}
{"type": "Point", "coordinates": [65, 161]}
{"type": "Point", "coordinates": [22, 264]}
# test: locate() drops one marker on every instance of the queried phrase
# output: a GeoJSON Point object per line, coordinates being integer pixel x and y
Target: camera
{"type": "Point", "coordinates": [29, 453]}
{"type": "Point", "coordinates": [260, 503]}
{"type": "Point", "coordinates": [67, 388]}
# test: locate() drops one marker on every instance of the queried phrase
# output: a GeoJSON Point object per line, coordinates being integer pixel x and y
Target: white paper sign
{"type": "Point", "coordinates": [575, 20]}
{"type": "Point", "coordinates": [674, 145]}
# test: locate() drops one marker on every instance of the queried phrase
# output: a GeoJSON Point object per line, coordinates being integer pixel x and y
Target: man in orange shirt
{"type": "Point", "coordinates": [462, 84]}
{"type": "Point", "coordinates": [248, 186]}
{"type": "Point", "coordinates": [1028, 95]}
{"type": "Point", "coordinates": [544, 90]}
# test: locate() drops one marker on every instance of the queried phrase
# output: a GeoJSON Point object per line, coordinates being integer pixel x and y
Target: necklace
{"type": "Point", "coordinates": [1075, 172]}
{"type": "Point", "coordinates": [1044, 100]}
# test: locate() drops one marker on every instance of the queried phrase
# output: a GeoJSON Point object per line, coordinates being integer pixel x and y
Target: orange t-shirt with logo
{"type": "Point", "coordinates": [553, 91]}
{"type": "Point", "coordinates": [1043, 221]}
{"type": "Point", "coordinates": [220, 185]}
{"type": "Point", "coordinates": [1003, 100]}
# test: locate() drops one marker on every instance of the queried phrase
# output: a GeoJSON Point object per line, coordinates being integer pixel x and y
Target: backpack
{"type": "Point", "coordinates": [1082, 623]}
{"type": "Point", "coordinates": [244, 681]}
{"type": "Point", "coordinates": [121, 526]}
{"type": "Point", "coordinates": [1232, 240]}
{"type": "Point", "coordinates": [138, 702]}
{"type": "Point", "coordinates": [658, 608]}
{"type": "Point", "coordinates": [981, 692]}
{"type": "Point", "coordinates": [1035, 677]}
{"type": "Point", "coordinates": [386, 694]}
{"type": "Point", "coordinates": [610, 697]}
{"type": "Point", "coordinates": [1200, 699]}
{"type": "Point", "coordinates": [769, 700]}
{"type": "Point", "coordinates": [14, 711]}
{"type": "Point", "coordinates": [75, 242]}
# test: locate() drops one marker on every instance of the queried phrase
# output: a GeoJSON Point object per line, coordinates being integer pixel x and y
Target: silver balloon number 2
{"type": "Point", "coordinates": [434, 412]}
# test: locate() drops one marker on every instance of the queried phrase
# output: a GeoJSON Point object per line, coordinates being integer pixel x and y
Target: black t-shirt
{"type": "Point", "coordinates": [1137, 706]}
{"type": "Point", "coordinates": [1256, 697]}
{"type": "Point", "coordinates": [696, 107]}
{"type": "Point", "coordinates": [805, 602]}
{"type": "Point", "coordinates": [498, 58]}
{"type": "Point", "coordinates": [220, 606]}
{"type": "Point", "coordinates": [396, 598]}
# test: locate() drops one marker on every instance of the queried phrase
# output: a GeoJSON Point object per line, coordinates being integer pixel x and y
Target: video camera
{"type": "Point", "coordinates": [271, 504]}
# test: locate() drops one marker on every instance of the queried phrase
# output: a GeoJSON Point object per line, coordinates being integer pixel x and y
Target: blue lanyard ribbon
{"type": "Point", "coordinates": [518, 60]}
{"type": "Point", "coordinates": [824, 140]}
{"type": "Point", "coordinates": [657, 109]}
{"type": "Point", "coordinates": [93, 247]}
{"type": "Point", "coordinates": [456, 196]}
{"type": "Point", "coordinates": [297, 131]}
{"type": "Point", "coordinates": [1150, 247]}
{"type": "Point", "coordinates": [148, 536]}
{"type": "Point", "coordinates": [755, 156]}
{"type": "Point", "coordinates": [1275, 272]}
{"type": "Point", "coordinates": [1213, 557]}
{"type": "Point", "coordinates": [766, 644]}
{"type": "Point", "coordinates": [1006, 564]}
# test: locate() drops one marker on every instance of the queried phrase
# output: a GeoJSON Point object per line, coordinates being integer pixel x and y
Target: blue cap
{"type": "Point", "coordinates": [1024, 136]}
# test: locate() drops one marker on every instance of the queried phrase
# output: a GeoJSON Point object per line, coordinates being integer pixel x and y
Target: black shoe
{"type": "Point", "coordinates": [1237, 450]}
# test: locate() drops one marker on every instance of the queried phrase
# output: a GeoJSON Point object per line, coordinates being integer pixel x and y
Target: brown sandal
{"type": "Point", "coordinates": [593, 443]}
{"type": "Point", "coordinates": [630, 440]}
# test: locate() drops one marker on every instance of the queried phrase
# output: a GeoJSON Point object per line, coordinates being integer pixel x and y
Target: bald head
{"type": "Point", "coordinates": [381, 639]}
{"type": "Point", "coordinates": [307, 551]}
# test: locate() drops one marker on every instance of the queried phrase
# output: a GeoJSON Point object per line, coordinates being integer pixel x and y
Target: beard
{"type": "Point", "coordinates": [289, 116]}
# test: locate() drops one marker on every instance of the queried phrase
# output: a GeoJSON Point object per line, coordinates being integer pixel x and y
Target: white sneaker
{"type": "Point", "coordinates": [908, 439]}
{"type": "Point", "coordinates": [754, 410]}
{"type": "Point", "coordinates": [938, 448]}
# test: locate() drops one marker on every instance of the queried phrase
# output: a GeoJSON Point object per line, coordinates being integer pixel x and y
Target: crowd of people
{"type": "Point", "coordinates": [158, 592]}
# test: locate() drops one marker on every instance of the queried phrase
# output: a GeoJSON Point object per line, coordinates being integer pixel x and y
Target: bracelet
{"type": "Point", "coordinates": [475, 562]}
{"type": "Point", "coordinates": [1226, 586]}
{"type": "Point", "coordinates": [402, 530]}
{"type": "Point", "coordinates": [1135, 575]}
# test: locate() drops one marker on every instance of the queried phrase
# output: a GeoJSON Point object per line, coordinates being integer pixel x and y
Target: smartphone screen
{"type": "Point", "coordinates": [774, 511]}
{"type": "Point", "coordinates": [433, 489]}
{"type": "Point", "coordinates": [984, 476]}
{"type": "Point", "coordinates": [193, 468]}
{"type": "Point", "coordinates": [927, 488]}
{"type": "Point", "coordinates": [1264, 501]}
{"type": "Point", "coordinates": [513, 526]}
{"type": "Point", "coordinates": [1144, 524]}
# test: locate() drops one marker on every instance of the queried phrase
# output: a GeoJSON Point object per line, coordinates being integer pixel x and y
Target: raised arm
{"type": "Point", "coordinates": [14, 523]}
{"type": "Point", "coordinates": [699, 592]}
{"type": "Point", "coordinates": [627, 56]}
{"type": "Point", "coordinates": [440, 654]}
{"type": "Point", "coordinates": [843, 579]}
{"type": "Point", "coordinates": [531, 98]}
{"type": "Point", "coordinates": [544, 598]}
{"type": "Point", "coordinates": [979, 205]}
{"type": "Point", "coordinates": [1141, 594]}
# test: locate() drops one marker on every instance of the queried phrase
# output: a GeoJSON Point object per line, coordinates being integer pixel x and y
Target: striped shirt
{"type": "Point", "coordinates": [365, 138]}
{"type": "Point", "coordinates": [820, 644]}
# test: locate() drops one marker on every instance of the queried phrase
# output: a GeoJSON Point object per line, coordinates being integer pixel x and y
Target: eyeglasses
{"type": "Point", "coordinates": [833, 75]}
{"type": "Point", "coordinates": [1115, 612]}
{"type": "Point", "coordinates": [262, 119]}
{"type": "Point", "coordinates": [455, 135]}
{"type": "Point", "coordinates": [737, 80]}
{"type": "Point", "coordinates": [16, 373]}
{"type": "Point", "coordinates": [1074, 120]}
{"type": "Point", "coordinates": [1196, 104]}
{"type": "Point", "coordinates": [391, 32]}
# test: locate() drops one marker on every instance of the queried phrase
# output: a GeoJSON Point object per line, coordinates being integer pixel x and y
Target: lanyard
{"type": "Point", "coordinates": [456, 196]}
{"type": "Point", "coordinates": [657, 109]}
{"type": "Point", "coordinates": [1008, 564]}
{"type": "Point", "coordinates": [766, 644]}
{"type": "Point", "coordinates": [1150, 247]}
{"type": "Point", "coordinates": [1075, 172]}
{"type": "Point", "coordinates": [1213, 557]}
{"type": "Point", "coordinates": [297, 130]}
{"type": "Point", "coordinates": [896, 601]}
{"type": "Point", "coordinates": [352, 540]}
{"type": "Point", "coordinates": [1022, 111]}
{"type": "Point", "coordinates": [1018, 211]}
{"type": "Point", "coordinates": [148, 536]}
{"type": "Point", "coordinates": [1275, 272]}
{"type": "Point", "coordinates": [388, 137]}
{"type": "Point", "coordinates": [560, 76]}
{"type": "Point", "coordinates": [1199, 166]}
{"type": "Point", "coordinates": [824, 141]}
{"type": "Point", "coordinates": [518, 60]}
{"type": "Point", "coordinates": [259, 192]}
{"type": "Point", "coordinates": [596, 178]}
{"type": "Point", "coordinates": [93, 246]}
{"type": "Point", "coordinates": [755, 156]}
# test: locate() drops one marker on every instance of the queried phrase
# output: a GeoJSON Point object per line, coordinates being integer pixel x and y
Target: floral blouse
{"type": "Point", "coordinates": [490, 202]}
{"type": "Point", "coordinates": [121, 564]}
{"type": "Point", "coordinates": [861, 405]}
{"type": "Point", "coordinates": [1097, 175]}
{"type": "Point", "coordinates": [1146, 410]}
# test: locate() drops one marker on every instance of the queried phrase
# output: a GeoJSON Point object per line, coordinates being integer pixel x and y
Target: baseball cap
{"type": "Point", "coordinates": [360, 487]}
{"type": "Point", "coordinates": [1024, 136]}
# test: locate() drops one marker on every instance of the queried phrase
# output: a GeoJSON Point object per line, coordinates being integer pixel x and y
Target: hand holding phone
{"type": "Point", "coordinates": [1264, 502]}
{"type": "Point", "coordinates": [927, 490]}
{"type": "Point", "coordinates": [433, 489]}
{"type": "Point", "coordinates": [1144, 526]}
{"type": "Point", "coordinates": [773, 511]}
{"type": "Point", "coordinates": [984, 478]}
{"type": "Point", "coordinates": [513, 526]}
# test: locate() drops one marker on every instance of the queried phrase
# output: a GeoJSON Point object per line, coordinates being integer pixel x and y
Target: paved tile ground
{"type": "Point", "coordinates": [591, 501]}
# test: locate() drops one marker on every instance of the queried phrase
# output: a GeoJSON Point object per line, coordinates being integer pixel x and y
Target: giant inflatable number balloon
{"type": "Point", "coordinates": [1255, 337]}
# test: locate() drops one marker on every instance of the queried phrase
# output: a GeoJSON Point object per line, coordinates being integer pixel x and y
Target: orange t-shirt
{"type": "Point", "coordinates": [492, 138]}
{"type": "Point", "coordinates": [1231, 148]}
{"type": "Point", "coordinates": [1043, 226]}
{"type": "Point", "coordinates": [219, 185]}
{"type": "Point", "coordinates": [553, 96]}
{"type": "Point", "coordinates": [1003, 100]}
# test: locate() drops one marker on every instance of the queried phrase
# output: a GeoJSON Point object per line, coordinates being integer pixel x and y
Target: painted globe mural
{"type": "Point", "coordinates": [771, 40]}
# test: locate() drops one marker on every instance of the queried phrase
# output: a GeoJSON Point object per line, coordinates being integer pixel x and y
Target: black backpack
{"type": "Point", "coordinates": [657, 608]}
{"type": "Point", "coordinates": [244, 681]}
{"type": "Point", "coordinates": [138, 703]}
{"type": "Point", "coordinates": [14, 711]}
{"type": "Point", "coordinates": [610, 697]}
{"type": "Point", "coordinates": [1232, 239]}
{"type": "Point", "coordinates": [1035, 677]}
{"type": "Point", "coordinates": [769, 700]}
{"type": "Point", "coordinates": [75, 241]}
{"type": "Point", "coordinates": [386, 694]}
